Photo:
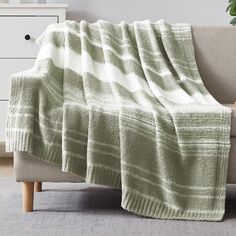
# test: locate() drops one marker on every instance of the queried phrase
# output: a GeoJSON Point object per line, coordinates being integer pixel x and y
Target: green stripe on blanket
{"type": "Point", "coordinates": [123, 105]}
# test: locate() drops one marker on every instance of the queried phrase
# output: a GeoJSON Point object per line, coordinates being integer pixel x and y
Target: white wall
{"type": "Point", "coordinates": [196, 12]}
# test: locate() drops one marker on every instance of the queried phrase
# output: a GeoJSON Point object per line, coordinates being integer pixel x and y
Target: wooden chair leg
{"type": "Point", "coordinates": [37, 186]}
{"type": "Point", "coordinates": [27, 196]}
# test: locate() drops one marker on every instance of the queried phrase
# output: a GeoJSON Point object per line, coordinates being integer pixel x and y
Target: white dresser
{"type": "Point", "coordinates": [20, 25]}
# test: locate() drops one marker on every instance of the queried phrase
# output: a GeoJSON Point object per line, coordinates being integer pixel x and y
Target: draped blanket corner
{"type": "Point", "coordinates": [123, 105]}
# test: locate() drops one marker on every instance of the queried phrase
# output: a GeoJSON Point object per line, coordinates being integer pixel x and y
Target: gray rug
{"type": "Point", "coordinates": [83, 209]}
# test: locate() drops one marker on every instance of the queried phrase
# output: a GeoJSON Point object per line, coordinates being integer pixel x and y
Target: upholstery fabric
{"type": "Point", "coordinates": [215, 50]}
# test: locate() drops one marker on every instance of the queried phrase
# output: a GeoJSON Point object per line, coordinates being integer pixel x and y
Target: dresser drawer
{"type": "Point", "coordinates": [13, 30]}
{"type": "Point", "coordinates": [3, 115]}
{"type": "Point", "coordinates": [8, 67]}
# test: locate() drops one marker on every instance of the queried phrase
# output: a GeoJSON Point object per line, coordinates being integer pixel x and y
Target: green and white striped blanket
{"type": "Point", "coordinates": [123, 105]}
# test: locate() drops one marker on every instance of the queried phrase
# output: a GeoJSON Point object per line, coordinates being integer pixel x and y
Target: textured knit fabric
{"type": "Point", "coordinates": [123, 105]}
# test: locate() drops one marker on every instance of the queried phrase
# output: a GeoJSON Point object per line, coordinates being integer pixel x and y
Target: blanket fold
{"type": "Point", "coordinates": [123, 105]}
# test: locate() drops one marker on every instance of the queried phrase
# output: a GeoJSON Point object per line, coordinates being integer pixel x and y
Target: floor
{"type": "Point", "coordinates": [81, 209]}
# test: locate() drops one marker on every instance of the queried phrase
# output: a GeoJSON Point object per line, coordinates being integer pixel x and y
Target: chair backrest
{"type": "Point", "coordinates": [215, 51]}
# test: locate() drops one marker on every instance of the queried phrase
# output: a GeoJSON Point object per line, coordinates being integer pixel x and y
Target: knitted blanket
{"type": "Point", "coordinates": [123, 105]}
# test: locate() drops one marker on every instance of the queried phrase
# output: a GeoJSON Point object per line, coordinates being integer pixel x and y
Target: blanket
{"type": "Point", "coordinates": [123, 105]}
